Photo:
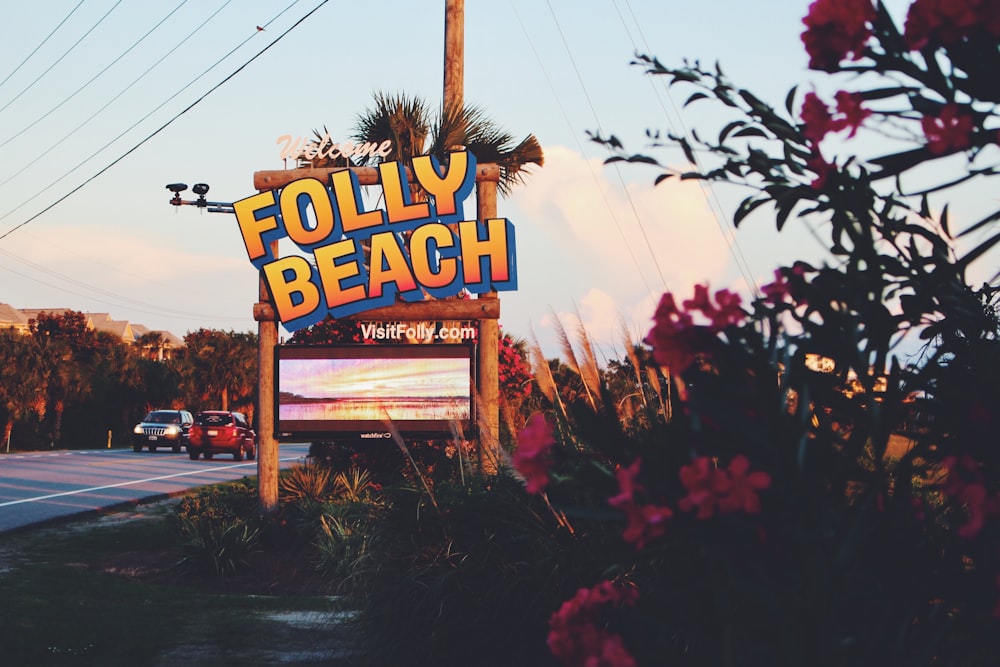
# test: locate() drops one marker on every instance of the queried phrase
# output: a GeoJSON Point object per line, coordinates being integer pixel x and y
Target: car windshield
{"type": "Point", "coordinates": [213, 420]}
{"type": "Point", "coordinates": [163, 418]}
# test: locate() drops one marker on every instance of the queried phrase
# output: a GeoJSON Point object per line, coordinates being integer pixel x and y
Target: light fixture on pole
{"type": "Point", "coordinates": [200, 189]}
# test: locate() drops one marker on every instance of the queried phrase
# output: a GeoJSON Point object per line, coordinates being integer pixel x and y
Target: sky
{"type": "Point", "coordinates": [105, 102]}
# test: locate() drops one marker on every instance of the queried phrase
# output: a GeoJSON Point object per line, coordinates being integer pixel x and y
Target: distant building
{"type": "Point", "coordinates": [156, 344]}
{"type": "Point", "coordinates": [12, 318]}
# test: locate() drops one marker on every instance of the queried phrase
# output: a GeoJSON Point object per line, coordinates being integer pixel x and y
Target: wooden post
{"type": "Point", "coordinates": [489, 344]}
{"type": "Point", "coordinates": [267, 451]}
{"type": "Point", "coordinates": [454, 54]}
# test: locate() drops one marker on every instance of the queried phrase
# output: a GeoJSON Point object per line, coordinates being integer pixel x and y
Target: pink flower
{"type": "Point", "coordinates": [704, 483]}
{"type": "Point", "coordinates": [836, 29]}
{"type": "Point", "coordinates": [963, 481]}
{"type": "Point", "coordinates": [674, 334]}
{"type": "Point", "coordinates": [945, 22]}
{"type": "Point", "coordinates": [726, 491]}
{"type": "Point", "coordinates": [850, 113]}
{"type": "Point", "coordinates": [532, 457]}
{"type": "Point", "coordinates": [743, 488]}
{"type": "Point", "coordinates": [777, 291]}
{"type": "Point", "coordinates": [670, 337]}
{"type": "Point", "coordinates": [644, 522]}
{"type": "Point", "coordinates": [816, 118]}
{"type": "Point", "coordinates": [948, 131]}
{"type": "Point", "coordinates": [577, 634]}
{"type": "Point", "coordinates": [818, 121]}
{"type": "Point", "coordinates": [727, 312]}
{"type": "Point", "coordinates": [821, 168]}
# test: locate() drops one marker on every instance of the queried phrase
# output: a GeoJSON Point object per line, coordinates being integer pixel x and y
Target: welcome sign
{"type": "Point", "coordinates": [411, 250]}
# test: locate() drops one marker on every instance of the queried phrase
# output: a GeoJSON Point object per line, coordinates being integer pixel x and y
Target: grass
{"type": "Point", "coordinates": [73, 595]}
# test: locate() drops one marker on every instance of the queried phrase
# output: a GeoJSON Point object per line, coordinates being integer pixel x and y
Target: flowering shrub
{"type": "Point", "coordinates": [820, 493]}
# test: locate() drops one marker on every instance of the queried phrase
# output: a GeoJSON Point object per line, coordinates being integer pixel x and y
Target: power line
{"type": "Point", "coordinates": [111, 101]}
{"type": "Point", "coordinates": [60, 58]}
{"type": "Point", "coordinates": [120, 300]}
{"type": "Point", "coordinates": [711, 197]}
{"type": "Point", "coordinates": [158, 130]}
{"type": "Point", "coordinates": [562, 111]}
{"type": "Point", "coordinates": [93, 78]}
{"type": "Point", "coordinates": [621, 180]}
{"type": "Point", "coordinates": [41, 44]}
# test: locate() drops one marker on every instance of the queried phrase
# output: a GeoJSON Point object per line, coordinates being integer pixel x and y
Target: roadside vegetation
{"type": "Point", "coordinates": [68, 387]}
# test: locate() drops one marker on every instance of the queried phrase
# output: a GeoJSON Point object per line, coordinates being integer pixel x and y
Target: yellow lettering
{"type": "Point", "coordinates": [388, 265]}
{"type": "Point", "coordinates": [426, 240]}
{"type": "Point", "coordinates": [448, 192]}
{"type": "Point", "coordinates": [495, 249]}
{"type": "Point", "coordinates": [254, 229]}
{"type": "Point", "coordinates": [332, 274]}
{"type": "Point", "coordinates": [287, 277]}
{"type": "Point", "coordinates": [352, 218]}
{"type": "Point", "coordinates": [396, 189]}
{"type": "Point", "coordinates": [293, 210]}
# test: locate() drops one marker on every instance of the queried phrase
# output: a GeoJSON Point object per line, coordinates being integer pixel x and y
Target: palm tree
{"type": "Point", "coordinates": [25, 380]}
{"type": "Point", "coordinates": [413, 130]}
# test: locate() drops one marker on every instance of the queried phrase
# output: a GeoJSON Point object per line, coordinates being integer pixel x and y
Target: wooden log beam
{"type": "Point", "coordinates": [279, 178]}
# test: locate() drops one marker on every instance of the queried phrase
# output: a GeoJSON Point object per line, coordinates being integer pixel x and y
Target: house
{"type": "Point", "coordinates": [156, 344]}
{"type": "Point", "coordinates": [12, 318]}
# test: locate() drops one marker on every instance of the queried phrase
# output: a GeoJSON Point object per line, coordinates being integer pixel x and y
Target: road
{"type": "Point", "coordinates": [40, 486]}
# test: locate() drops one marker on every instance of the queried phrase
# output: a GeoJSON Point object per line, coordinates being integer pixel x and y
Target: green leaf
{"type": "Point", "coordinates": [751, 132]}
{"type": "Point", "coordinates": [992, 217]}
{"type": "Point", "coordinates": [695, 97]}
{"type": "Point", "coordinates": [790, 100]}
{"type": "Point", "coordinates": [897, 163]}
{"type": "Point", "coordinates": [724, 133]}
{"type": "Point", "coordinates": [944, 221]}
{"type": "Point", "coordinates": [746, 207]}
{"type": "Point", "coordinates": [978, 251]}
{"type": "Point", "coordinates": [882, 93]}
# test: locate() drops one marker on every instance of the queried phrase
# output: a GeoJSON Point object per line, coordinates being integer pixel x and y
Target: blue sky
{"type": "Point", "coordinates": [593, 241]}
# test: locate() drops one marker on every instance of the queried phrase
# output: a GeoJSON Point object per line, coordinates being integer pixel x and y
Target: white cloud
{"type": "Point", "coordinates": [587, 243]}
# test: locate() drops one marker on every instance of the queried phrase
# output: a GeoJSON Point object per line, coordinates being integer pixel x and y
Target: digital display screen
{"type": "Point", "coordinates": [341, 390]}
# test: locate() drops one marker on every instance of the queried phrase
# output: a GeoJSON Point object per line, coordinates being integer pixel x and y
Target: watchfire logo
{"type": "Point", "coordinates": [420, 331]}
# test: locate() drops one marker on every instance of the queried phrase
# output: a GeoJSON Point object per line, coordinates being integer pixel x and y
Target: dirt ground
{"type": "Point", "coordinates": [291, 637]}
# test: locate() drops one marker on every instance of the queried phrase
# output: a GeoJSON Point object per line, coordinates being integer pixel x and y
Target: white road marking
{"type": "Point", "coordinates": [137, 481]}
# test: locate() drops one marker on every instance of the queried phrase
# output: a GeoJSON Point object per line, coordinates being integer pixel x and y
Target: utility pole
{"type": "Point", "coordinates": [454, 54]}
{"type": "Point", "coordinates": [488, 383]}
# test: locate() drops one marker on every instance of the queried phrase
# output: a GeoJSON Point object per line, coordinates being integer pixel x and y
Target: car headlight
{"type": "Point", "coordinates": [172, 430]}
{"type": "Point", "coordinates": [137, 429]}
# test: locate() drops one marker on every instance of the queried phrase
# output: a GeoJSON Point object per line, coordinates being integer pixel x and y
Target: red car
{"type": "Point", "coordinates": [221, 432]}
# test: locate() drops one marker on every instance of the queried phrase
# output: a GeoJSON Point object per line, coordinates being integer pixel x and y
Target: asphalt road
{"type": "Point", "coordinates": [40, 486]}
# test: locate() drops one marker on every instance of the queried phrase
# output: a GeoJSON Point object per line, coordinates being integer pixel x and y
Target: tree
{"type": "Point", "coordinates": [219, 366]}
{"type": "Point", "coordinates": [22, 390]}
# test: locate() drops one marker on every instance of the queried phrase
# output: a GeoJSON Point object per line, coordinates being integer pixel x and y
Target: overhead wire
{"type": "Point", "coordinates": [60, 58]}
{"type": "Point", "coordinates": [150, 136]}
{"type": "Point", "coordinates": [40, 44]}
{"type": "Point", "coordinates": [153, 134]}
{"type": "Point", "coordinates": [711, 197]}
{"type": "Point", "coordinates": [617, 170]}
{"type": "Point", "coordinates": [114, 99]}
{"type": "Point", "coordinates": [120, 300]}
{"type": "Point", "coordinates": [76, 92]}
{"type": "Point", "coordinates": [566, 119]}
